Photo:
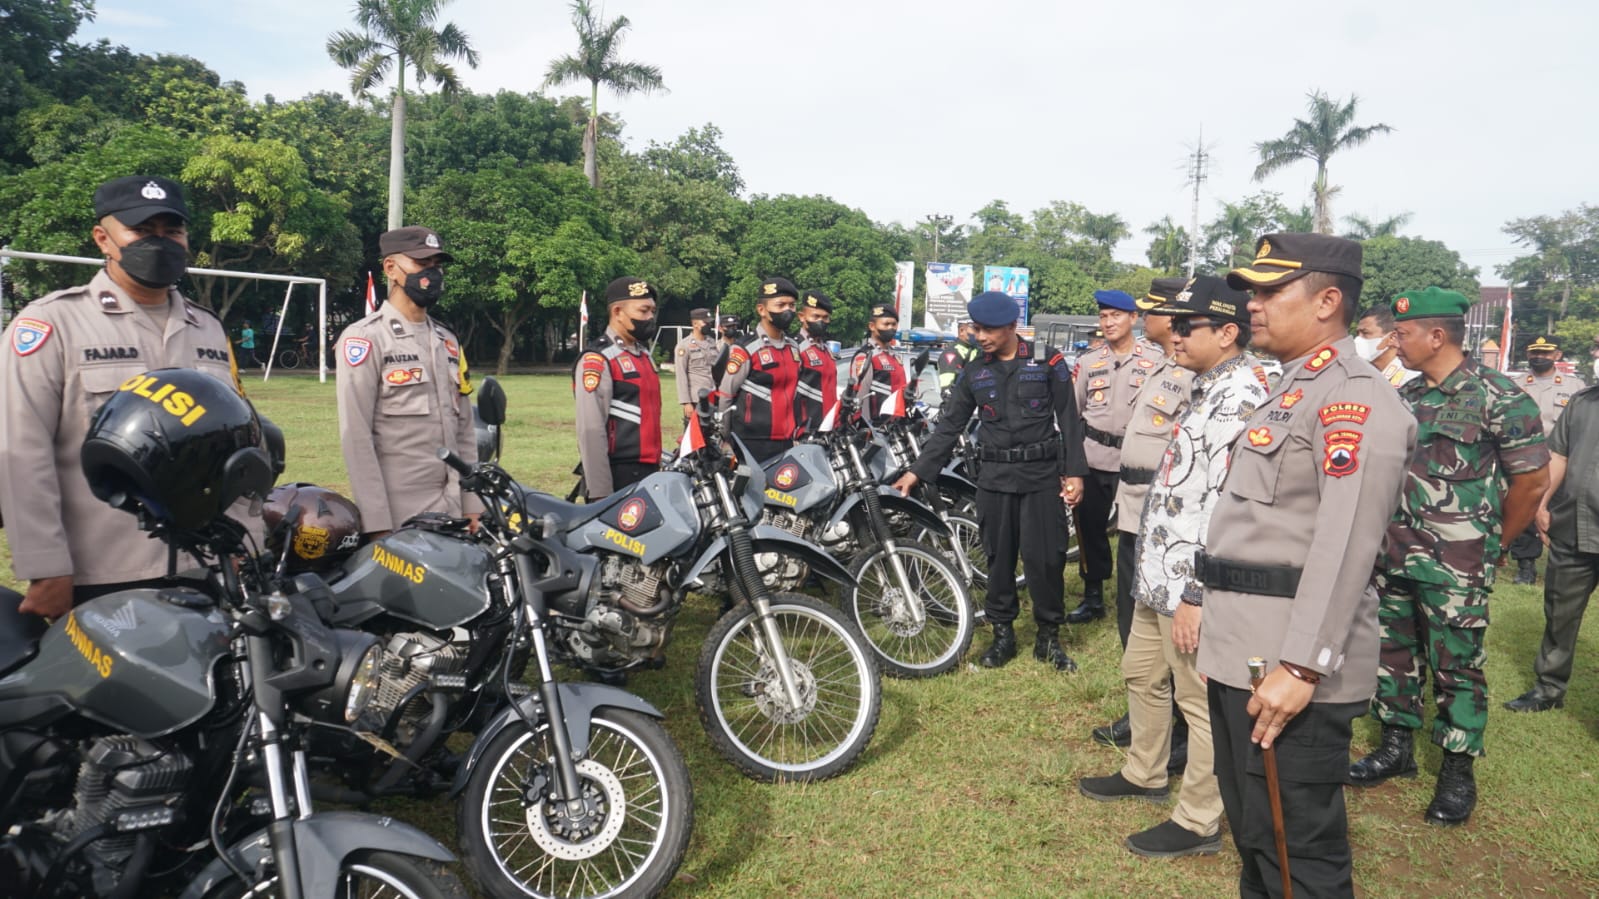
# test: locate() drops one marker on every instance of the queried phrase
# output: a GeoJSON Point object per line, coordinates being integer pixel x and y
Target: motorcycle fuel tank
{"type": "Point", "coordinates": [141, 661]}
{"type": "Point", "coordinates": [435, 580]}
{"type": "Point", "coordinates": [800, 479]}
{"type": "Point", "coordinates": [654, 518]}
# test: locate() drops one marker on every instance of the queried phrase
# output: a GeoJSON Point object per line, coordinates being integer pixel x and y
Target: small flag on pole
{"type": "Point", "coordinates": [583, 319]}
{"type": "Point", "coordinates": [895, 407]}
{"type": "Point", "coordinates": [1507, 331]}
{"type": "Point", "coordinates": [371, 295]}
{"type": "Point", "coordinates": [693, 438]}
{"type": "Point", "coordinates": [830, 420]}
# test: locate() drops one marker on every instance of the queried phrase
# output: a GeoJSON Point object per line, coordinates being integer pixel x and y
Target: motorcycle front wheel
{"type": "Point", "coordinates": [748, 714]}
{"type": "Point", "coordinates": [905, 646]}
{"type": "Point", "coordinates": [367, 875]}
{"type": "Point", "coordinates": [627, 839]}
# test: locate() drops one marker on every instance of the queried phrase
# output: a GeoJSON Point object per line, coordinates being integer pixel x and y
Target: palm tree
{"type": "Point", "coordinates": [1168, 251]}
{"type": "Point", "coordinates": [1362, 228]}
{"type": "Point", "coordinates": [1231, 237]}
{"type": "Point", "coordinates": [1330, 128]}
{"type": "Point", "coordinates": [596, 62]}
{"type": "Point", "coordinates": [1105, 231]}
{"type": "Point", "coordinates": [394, 35]}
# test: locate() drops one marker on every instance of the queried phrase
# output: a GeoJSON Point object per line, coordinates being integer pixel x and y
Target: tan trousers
{"type": "Point", "coordinates": [1150, 665]}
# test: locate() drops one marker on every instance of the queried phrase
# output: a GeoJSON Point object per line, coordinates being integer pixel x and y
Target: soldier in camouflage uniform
{"type": "Point", "coordinates": [1476, 429]}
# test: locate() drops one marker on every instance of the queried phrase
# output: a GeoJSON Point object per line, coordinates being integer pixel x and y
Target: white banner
{"type": "Point", "coordinates": [904, 290]}
{"type": "Point", "coordinates": [949, 289]}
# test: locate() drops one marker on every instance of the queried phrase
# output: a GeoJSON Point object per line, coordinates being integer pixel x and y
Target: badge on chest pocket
{"type": "Point", "coordinates": [1032, 391]}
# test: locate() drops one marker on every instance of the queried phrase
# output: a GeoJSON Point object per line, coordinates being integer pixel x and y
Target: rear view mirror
{"type": "Point", "coordinates": [491, 402]}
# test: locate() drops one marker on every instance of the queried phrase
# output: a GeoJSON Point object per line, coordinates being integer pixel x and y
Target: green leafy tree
{"type": "Point", "coordinates": [397, 35]}
{"type": "Point", "coordinates": [32, 35]}
{"type": "Point", "coordinates": [1168, 246]}
{"type": "Point", "coordinates": [467, 131]}
{"type": "Point", "coordinates": [1393, 265]}
{"type": "Point", "coordinates": [1329, 129]}
{"type": "Point", "coordinates": [597, 61]}
{"type": "Point", "coordinates": [1564, 258]}
{"type": "Point", "coordinates": [1362, 228]}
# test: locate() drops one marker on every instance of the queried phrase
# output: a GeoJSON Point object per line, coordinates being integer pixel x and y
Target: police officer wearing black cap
{"type": "Point", "coordinates": [65, 355]}
{"type": "Point", "coordinates": [875, 372]}
{"type": "Point", "coordinates": [762, 376]}
{"type": "Point", "coordinates": [1030, 459]}
{"type": "Point", "coordinates": [619, 394]}
{"type": "Point", "coordinates": [817, 392]}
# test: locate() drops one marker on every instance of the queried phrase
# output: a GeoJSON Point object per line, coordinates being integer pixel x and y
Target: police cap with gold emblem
{"type": "Point", "coordinates": [1211, 297]}
{"type": "Point", "coordinates": [993, 309]}
{"type": "Point", "coordinates": [815, 299]}
{"type": "Point", "coordinates": [776, 287]}
{"type": "Point", "coordinates": [885, 310]}
{"type": "Point", "coordinates": [136, 199]}
{"type": "Point", "coordinates": [1542, 344]}
{"type": "Point", "coordinates": [628, 288]}
{"type": "Point", "coordinates": [414, 241]}
{"type": "Point", "coordinates": [1281, 258]}
{"type": "Point", "coordinates": [1434, 302]}
{"type": "Point", "coordinates": [1161, 292]}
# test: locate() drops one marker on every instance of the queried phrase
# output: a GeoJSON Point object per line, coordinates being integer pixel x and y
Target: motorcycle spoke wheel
{"type": "Point", "coordinates": [367, 875]}
{"type": "Point", "coordinates": [747, 713]}
{"type": "Point", "coordinates": [906, 647]}
{"type": "Point", "coordinates": [627, 838]}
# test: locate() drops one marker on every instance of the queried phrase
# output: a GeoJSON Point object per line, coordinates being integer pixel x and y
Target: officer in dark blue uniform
{"type": "Point", "coordinates": [1030, 459]}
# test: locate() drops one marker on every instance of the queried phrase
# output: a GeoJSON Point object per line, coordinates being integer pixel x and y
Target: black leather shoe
{"type": "Point", "coordinates": [1092, 607]}
{"type": "Point", "coordinates": [1535, 700]}
{"type": "Point", "coordinates": [1456, 794]}
{"type": "Point", "coordinates": [1114, 787]}
{"type": "Point", "coordinates": [1168, 839]}
{"type": "Point", "coordinates": [1526, 573]}
{"type": "Point", "coordinates": [1003, 648]}
{"type": "Point", "coordinates": [1047, 649]}
{"type": "Point", "coordinates": [1116, 733]}
{"type": "Point", "coordinates": [1394, 757]}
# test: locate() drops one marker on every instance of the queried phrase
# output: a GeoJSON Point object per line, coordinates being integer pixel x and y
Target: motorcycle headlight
{"type": "Point", "coordinates": [364, 683]}
{"type": "Point", "coordinates": [356, 683]}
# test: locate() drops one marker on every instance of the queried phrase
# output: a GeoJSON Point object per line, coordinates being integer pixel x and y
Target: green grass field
{"type": "Point", "coordinates": [969, 787]}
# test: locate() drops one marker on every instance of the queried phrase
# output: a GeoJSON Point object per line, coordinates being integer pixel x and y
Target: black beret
{"type": "Point", "coordinates": [628, 289]}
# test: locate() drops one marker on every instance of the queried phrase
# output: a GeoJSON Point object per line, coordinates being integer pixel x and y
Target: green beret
{"type": "Point", "coordinates": [1434, 302]}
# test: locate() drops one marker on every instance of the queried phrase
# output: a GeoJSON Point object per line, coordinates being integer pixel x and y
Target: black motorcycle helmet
{"type": "Point", "coordinates": [178, 443]}
{"type": "Point", "coordinates": [325, 532]}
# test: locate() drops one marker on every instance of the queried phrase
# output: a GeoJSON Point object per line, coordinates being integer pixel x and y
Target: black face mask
{"type": "Point", "coordinates": [155, 261]}
{"type": "Point", "coordinates": [784, 320]}
{"type": "Point", "coordinates": [1541, 365]}
{"type": "Point", "coordinates": [425, 286]}
{"type": "Point", "coordinates": [643, 328]}
{"type": "Point", "coordinates": [886, 335]}
{"type": "Point", "coordinates": [817, 330]}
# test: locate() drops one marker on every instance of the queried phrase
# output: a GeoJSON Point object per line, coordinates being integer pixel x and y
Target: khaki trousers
{"type": "Point", "coordinates": [1151, 665]}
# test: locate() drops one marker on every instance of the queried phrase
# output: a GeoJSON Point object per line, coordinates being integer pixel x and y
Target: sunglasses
{"type": "Point", "coordinates": [1184, 325]}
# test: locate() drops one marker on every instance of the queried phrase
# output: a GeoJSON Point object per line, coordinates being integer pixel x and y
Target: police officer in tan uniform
{"type": "Point", "coordinates": [696, 359]}
{"type": "Point", "coordinates": [1552, 391]}
{"type": "Point", "coordinates": [1108, 380]}
{"type": "Point", "coordinates": [1314, 479]}
{"type": "Point", "coordinates": [403, 387]}
{"type": "Point", "coordinates": [65, 355]}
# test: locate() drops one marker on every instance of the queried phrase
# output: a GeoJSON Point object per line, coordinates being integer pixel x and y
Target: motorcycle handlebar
{"type": "Point", "coordinates": [456, 462]}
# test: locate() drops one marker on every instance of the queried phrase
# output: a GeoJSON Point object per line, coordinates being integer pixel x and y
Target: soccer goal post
{"type": "Point", "coordinates": [291, 280]}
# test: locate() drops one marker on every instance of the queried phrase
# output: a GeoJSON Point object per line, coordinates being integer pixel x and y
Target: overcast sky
{"type": "Point", "coordinates": [908, 108]}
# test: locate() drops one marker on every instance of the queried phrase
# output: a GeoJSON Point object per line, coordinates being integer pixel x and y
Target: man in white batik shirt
{"type": "Point", "coordinates": [1210, 329]}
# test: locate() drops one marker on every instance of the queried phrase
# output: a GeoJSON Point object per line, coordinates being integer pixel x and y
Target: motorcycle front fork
{"type": "Point", "coordinates": [906, 604]}
{"type": "Point", "coordinates": [741, 567]}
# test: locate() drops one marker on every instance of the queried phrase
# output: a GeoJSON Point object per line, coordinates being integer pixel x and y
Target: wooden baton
{"type": "Point", "coordinates": [1257, 673]}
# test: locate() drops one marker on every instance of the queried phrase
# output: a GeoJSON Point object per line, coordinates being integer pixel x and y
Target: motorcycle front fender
{"type": "Point", "coordinates": [578, 703]}
{"type": "Point", "coordinates": [322, 842]}
{"type": "Point", "coordinates": [893, 502]}
{"type": "Point", "coordinates": [951, 479]}
{"type": "Point", "coordinates": [766, 539]}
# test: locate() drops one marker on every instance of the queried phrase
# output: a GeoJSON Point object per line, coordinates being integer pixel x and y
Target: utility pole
{"type": "Point", "coordinates": [936, 225]}
{"type": "Point", "coordinates": [1196, 177]}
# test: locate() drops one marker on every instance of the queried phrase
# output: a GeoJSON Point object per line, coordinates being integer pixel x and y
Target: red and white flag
{"type": "Point", "coordinates": [583, 319]}
{"type": "Point", "coordinates": [1507, 331]}
{"type": "Point", "coordinates": [693, 438]}
{"type": "Point", "coordinates": [830, 420]}
{"type": "Point", "coordinates": [371, 295]}
{"type": "Point", "coordinates": [895, 407]}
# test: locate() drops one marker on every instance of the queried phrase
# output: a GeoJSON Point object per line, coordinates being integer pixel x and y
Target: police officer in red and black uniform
{"type": "Point", "coordinates": [760, 385]}
{"type": "Point", "coordinates": [1031, 458]}
{"type": "Point", "coordinates": [818, 384]}
{"type": "Point", "coordinates": [619, 394]}
{"type": "Point", "coordinates": [876, 372]}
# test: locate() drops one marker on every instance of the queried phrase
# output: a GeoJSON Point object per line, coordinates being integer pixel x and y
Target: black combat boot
{"type": "Point", "coordinates": [1456, 794]}
{"type": "Point", "coordinates": [1003, 648]}
{"type": "Point", "coordinates": [1395, 757]}
{"type": "Point", "coordinates": [1116, 733]}
{"type": "Point", "coordinates": [1092, 606]}
{"type": "Point", "coordinates": [1526, 572]}
{"type": "Point", "coordinates": [1047, 648]}
{"type": "Point", "coordinates": [1179, 746]}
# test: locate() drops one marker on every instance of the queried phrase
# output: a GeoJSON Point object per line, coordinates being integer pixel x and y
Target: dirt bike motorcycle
{"type": "Point", "coordinates": [569, 789]}
{"type": "Point", "coordinates": [906, 597]}
{"type": "Point", "coordinates": [787, 688]}
{"type": "Point", "coordinates": [153, 741]}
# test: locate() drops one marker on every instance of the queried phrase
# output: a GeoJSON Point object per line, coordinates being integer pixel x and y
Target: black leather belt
{"type": "Point", "coordinates": [1137, 476]}
{"type": "Point", "coordinates": [1105, 437]}
{"type": "Point", "coordinates": [1260, 580]}
{"type": "Point", "coordinates": [1032, 452]}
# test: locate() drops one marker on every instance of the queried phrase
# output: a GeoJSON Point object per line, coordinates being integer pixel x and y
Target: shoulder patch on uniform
{"type": "Point", "coordinates": [593, 365]}
{"type": "Point", "coordinates": [1343, 453]}
{"type": "Point", "coordinates": [28, 334]}
{"type": "Point", "coordinates": [1354, 413]}
{"type": "Point", "coordinates": [736, 357]}
{"type": "Point", "coordinates": [356, 350]}
{"type": "Point", "coordinates": [1321, 359]}
{"type": "Point", "coordinates": [858, 365]}
{"type": "Point", "coordinates": [1292, 399]}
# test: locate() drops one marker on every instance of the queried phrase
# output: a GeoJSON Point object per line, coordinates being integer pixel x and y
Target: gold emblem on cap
{"type": "Point", "coordinates": [638, 288]}
{"type": "Point", "coordinates": [769, 289]}
{"type": "Point", "coordinates": [1264, 251]}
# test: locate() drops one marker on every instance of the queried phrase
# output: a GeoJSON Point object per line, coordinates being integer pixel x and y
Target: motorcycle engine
{"type": "Point", "coordinates": [408, 661]}
{"type": "Point", "coordinates": [630, 620]}
{"type": "Point", "coordinates": [125, 780]}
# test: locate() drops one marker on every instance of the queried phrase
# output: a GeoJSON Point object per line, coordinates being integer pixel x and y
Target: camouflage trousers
{"type": "Point", "coordinates": [1440, 628]}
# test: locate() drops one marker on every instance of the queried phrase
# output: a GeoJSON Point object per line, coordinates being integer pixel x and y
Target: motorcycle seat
{"type": "Point", "coordinates": [569, 515]}
{"type": "Point", "coordinates": [19, 632]}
